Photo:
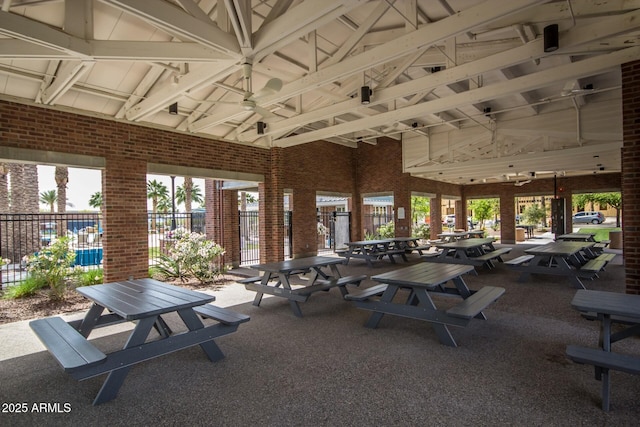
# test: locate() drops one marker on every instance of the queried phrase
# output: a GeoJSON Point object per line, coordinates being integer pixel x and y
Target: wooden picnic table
{"type": "Point", "coordinates": [577, 237]}
{"type": "Point", "coordinates": [144, 302]}
{"type": "Point", "coordinates": [564, 258]}
{"type": "Point", "coordinates": [275, 279]}
{"type": "Point", "coordinates": [608, 308]}
{"type": "Point", "coordinates": [374, 250]}
{"type": "Point", "coordinates": [476, 252]}
{"type": "Point", "coordinates": [422, 279]}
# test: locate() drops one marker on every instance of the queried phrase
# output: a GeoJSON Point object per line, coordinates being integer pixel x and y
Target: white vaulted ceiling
{"type": "Point", "coordinates": [465, 84]}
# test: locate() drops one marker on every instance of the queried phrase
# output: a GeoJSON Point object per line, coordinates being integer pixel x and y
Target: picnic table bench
{"type": "Point", "coordinates": [477, 252]}
{"type": "Point", "coordinates": [562, 258]}
{"type": "Point", "coordinates": [275, 279]}
{"type": "Point", "coordinates": [607, 308]}
{"type": "Point", "coordinates": [143, 302]}
{"type": "Point", "coordinates": [421, 280]}
{"type": "Point", "coordinates": [373, 250]}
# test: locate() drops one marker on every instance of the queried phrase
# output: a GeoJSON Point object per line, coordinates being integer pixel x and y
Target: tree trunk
{"type": "Point", "coordinates": [24, 239]}
{"type": "Point", "coordinates": [188, 187]}
{"type": "Point", "coordinates": [62, 178]}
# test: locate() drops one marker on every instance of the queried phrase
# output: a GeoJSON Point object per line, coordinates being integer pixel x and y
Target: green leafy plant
{"type": "Point", "coordinates": [387, 230]}
{"type": "Point", "coordinates": [53, 265]}
{"type": "Point", "coordinates": [421, 230]}
{"type": "Point", "coordinates": [25, 288]}
{"type": "Point", "coordinates": [90, 277]}
{"type": "Point", "coordinates": [192, 255]}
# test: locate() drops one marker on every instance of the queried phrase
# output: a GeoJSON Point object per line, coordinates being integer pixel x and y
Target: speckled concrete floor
{"type": "Point", "coordinates": [328, 369]}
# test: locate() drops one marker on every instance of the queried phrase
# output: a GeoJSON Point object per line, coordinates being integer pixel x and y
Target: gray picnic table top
{"type": "Point", "coordinates": [142, 301]}
{"type": "Point", "coordinates": [422, 279]}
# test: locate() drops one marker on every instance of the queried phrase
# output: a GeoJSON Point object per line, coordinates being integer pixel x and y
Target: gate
{"type": "Point", "coordinates": [333, 230]}
{"type": "Point", "coordinates": [249, 237]}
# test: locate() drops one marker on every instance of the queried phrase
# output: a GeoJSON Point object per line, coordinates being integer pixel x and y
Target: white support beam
{"type": "Point", "coordinates": [533, 81]}
{"type": "Point", "coordinates": [569, 40]}
{"type": "Point", "coordinates": [21, 28]}
{"type": "Point", "coordinates": [177, 22]}
{"type": "Point", "coordinates": [68, 73]}
{"type": "Point", "coordinates": [402, 46]}
{"type": "Point", "coordinates": [297, 22]}
{"type": "Point", "coordinates": [170, 94]}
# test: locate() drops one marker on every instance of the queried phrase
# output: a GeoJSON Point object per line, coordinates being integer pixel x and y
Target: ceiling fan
{"type": "Point", "coordinates": [521, 183]}
{"type": "Point", "coordinates": [250, 99]}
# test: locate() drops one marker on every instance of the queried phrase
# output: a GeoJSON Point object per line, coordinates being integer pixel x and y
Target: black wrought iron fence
{"type": "Point", "coordinates": [23, 235]}
{"type": "Point", "coordinates": [163, 228]}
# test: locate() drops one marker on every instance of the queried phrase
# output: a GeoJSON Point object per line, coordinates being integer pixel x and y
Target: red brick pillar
{"type": "Point", "coordinates": [435, 216]}
{"type": "Point", "coordinates": [125, 242]}
{"type": "Point", "coordinates": [271, 210]}
{"type": "Point", "coordinates": [222, 219]}
{"type": "Point", "coordinates": [304, 223]}
{"type": "Point", "coordinates": [507, 219]}
{"type": "Point", "coordinates": [630, 177]}
{"type": "Point", "coordinates": [402, 199]}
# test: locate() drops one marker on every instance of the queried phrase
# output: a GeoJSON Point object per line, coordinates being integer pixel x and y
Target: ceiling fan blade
{"type": "Point", "coordinates": [273, 86]}
{"type": "Point", "coordinates": [264, 112]}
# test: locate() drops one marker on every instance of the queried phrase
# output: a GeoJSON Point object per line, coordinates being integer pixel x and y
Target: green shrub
{"type": "Point", "coordinates": [192, 255]}
{"type": "Point", "coordinates": [53, 265]}
{"type": "Point", "coordinates": [421, 231]}
{"type": "Point", "coordinates": [387, 230]}
{"type": "Point", "coordinates": [90, 277]}
{"type": "Point", "coordinates": [26, 288]}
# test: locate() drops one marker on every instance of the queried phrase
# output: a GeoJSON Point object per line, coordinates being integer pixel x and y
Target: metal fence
{"type": "Point", "coordinates": [333, 230]}
{"type": "Point", "coordinates": [23, 235]}
{"type": "Point", "coordinates": [250, 237]}
{"type": "Point", "coordinates": [162, 229]}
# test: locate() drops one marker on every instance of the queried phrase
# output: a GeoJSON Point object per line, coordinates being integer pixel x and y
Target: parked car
{"type": "Point", "coordinates": [588, 217]}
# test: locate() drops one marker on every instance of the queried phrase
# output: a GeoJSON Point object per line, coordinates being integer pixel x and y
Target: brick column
{"type": "Point", "coordinates": [507, 219]}
{"type": "Point", "coordinates": [630, 178]}
{"type": "Point", "coordinates": [435, 216]}
{"type": "Point", "coordinates": [402, 199]}
{"type": "Point", "coordinates": [125, 243]}
{"type": "Point", "coordinates": [271, 210]}
{"type": "Point", "coordinates": [304, 223]}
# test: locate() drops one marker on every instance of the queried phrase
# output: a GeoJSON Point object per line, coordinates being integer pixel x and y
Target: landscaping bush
{"type": "Point", "coordinates": [52, 265]}
{"type": "Point", "coordinates": [27, 287]}
{"type": "Point", "coordinates": [192, 255]}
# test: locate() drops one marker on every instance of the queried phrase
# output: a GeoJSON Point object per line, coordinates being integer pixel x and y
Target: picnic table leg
{"type": "Point", "coordinates": [193, 322]}
{"type": "Point", "coordinates": [115, 378]}
{"type": "Point", "coordinates": [284, 280]}
{"type": "Point", "coordinates": [424, 300]}
{"type": "Point", "coordinates": [90, 320]}
{"type": "Point", "coordinates": [376, 316]}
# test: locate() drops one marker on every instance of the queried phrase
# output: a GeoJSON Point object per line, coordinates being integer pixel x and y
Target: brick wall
{"type": "Point", "coordinates": [630, 175]}
{"type": "Point", "coordinates": [126, 149]}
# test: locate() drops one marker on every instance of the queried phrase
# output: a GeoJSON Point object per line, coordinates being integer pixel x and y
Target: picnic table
{"type": "Point", "coordinates": [577, 237]}
{"type": "Point", "coordinates": [275, 279]}
{"type": "Point", "coordinates": [374, 250]}
{"type": "Point", "coordinates": [564, 258]}
{"type": "Point", "coordinates": [144, 302]}
{"type": "Point", "coordinates": [608, 308]}
{"type": "Point", "coordinates": [475, 252]}
{"type": "Point", "coordinates": [422, 279]}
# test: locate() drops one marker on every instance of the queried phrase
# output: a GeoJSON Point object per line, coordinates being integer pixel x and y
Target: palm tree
{"type": "Point", "coordinates": [49, 198]}
{"type": "Point", "coordinates": [186, 194]}
{"type": "Point", "coordinates": [156, 191]}
{"type": "Point", "coordinates": [96, 200]}
{"type": "Point", "coordinates": [62, 178]}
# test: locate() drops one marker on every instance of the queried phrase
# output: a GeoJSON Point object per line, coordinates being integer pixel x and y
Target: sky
{"type": "Point", "coordinates": [84, 182]}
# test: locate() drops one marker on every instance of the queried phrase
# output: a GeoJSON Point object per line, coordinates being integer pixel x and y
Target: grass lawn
{"type": "Point", "coordinates": [600, 233]}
